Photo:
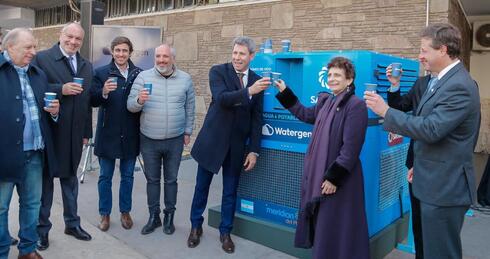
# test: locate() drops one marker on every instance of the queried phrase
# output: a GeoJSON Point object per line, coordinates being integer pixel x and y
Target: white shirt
{"type": "Point", "coordinates": [124, 72]}
{"type": "Point", "coordinates": [446, 69]}
{"type": "Point", "coordinates": [74, 58]}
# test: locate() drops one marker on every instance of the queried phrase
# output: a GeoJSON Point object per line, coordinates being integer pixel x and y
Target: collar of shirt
{"type": "Point", "coordinates": [124, 72]}
{"type": "Point", "coordinates": [245, 76]}
{"type": "Point", "coordinates": [7, 57]}
{"type": "Point", "coordinates": [446, 69]}
{"type": "Point", "coordinates": [68, 56]}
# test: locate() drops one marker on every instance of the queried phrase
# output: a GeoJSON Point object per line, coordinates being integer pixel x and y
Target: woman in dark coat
{"type": "Point", "coordinates": [332, 218]}
{"type": "Point", "coordinates": [117, 135]}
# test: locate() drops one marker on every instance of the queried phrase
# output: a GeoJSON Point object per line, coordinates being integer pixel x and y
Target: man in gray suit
{"type": "Point", "coordinates": [445, 129]}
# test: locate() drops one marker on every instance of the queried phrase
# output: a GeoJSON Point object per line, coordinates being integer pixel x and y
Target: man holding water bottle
{"type": "Point", "coordinates": [69, 76]}
{"type": "Point", "coordinates": [165, 97]}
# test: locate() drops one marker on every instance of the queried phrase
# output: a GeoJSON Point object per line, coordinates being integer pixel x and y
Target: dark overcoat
{"type": "Point", "coordinates": [338, 226]}
{"type": "Point", "coordinates": [75, 119]}
{"type": "Point", "coordinates": [232, 119]}
{"type": "Point", "coordinates": [12, 121]}
{"type": "Point", "coordinates": [117, 134]}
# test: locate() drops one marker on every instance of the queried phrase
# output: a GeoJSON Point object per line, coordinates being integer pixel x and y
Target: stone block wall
{"type": "Point", "coordinates": [202, 35]}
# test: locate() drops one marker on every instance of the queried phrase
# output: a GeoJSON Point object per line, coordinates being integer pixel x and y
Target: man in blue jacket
{"type": "Point", "coordinates": [117, 135]}
{"type": "Point", "coordinates": [234, 117]}
{"type": "Point", "coordinates": [26, 143]}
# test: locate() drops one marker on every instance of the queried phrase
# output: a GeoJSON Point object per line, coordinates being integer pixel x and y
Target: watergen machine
{"type": "Point", "coordinates": [269, 195]}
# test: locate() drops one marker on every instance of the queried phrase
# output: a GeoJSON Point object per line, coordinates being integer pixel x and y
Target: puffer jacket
{"type": "Point", "coordinates": [170, 110]}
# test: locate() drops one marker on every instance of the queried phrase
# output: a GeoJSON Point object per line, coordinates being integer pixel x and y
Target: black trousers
{"type": "Point", "coordinates": [69, 191]}
{"type": "Point", "coordinates": [416, 225]}
{"type": "Point", "coordinates": [484, 187]}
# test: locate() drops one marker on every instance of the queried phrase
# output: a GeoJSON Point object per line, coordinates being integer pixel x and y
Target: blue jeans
{"type": "Point", "coordinates": [155, 152]}
{"type": "Point", "coordinates": [29, 191]}
{"type": "Point", "coordinates": [126, 167]}
{"type": "Point", "coordinates": [228, 198]}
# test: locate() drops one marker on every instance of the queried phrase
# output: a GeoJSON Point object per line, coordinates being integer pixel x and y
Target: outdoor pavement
{"type": "Point", "coordinates": [120, 243]}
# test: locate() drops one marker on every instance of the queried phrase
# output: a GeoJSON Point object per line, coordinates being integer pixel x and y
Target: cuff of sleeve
{"type": "Point", "coordinates": [336, 174]}
{"type": "Point", "coordinates": [255, 154]}
{"type": "Point", "coordinates": [287, 98]}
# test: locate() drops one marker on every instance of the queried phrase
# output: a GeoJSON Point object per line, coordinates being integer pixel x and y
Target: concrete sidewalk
{"type": "Point", "coordinates": [120, 243]}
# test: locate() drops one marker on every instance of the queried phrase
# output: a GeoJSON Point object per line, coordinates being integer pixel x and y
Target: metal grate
{"type": "Point", "coordinates": [392, 175]}
{"type": "Point", "coordinates": [276, 178]}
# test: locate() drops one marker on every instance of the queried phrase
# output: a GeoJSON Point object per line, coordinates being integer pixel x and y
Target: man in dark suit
{"type": "Point", "coordinates": [444, 129]}
{"type": "Point", "coordinates": [62, 63]}
{"type": "Point", "coordinates": [234, 116]}
{"type": "Point", "coordinates": [26, 140]}
{"type": "Point", "coordinates": [406, 103]}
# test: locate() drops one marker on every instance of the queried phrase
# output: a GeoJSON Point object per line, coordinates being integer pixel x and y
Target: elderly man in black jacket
{"type": "Point", "coordinates": [62, 63]}
{"type": "Point", "coordinates": [26, 143]}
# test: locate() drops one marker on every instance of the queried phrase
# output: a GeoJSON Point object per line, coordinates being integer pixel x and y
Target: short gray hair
{"type": "Point", "coordinates": [173, 52]}
{"type": "Point", "coordinates": [12, 36]}
{"type": "Point", "coordinates": [245, 41]}
{"type": "Point", "coordinates": [65, 27]}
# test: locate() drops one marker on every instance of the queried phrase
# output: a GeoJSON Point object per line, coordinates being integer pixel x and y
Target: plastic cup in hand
{"type": "Point", "coordinates": [148, 87]}
{"type": "Point", "coordinates": [370, 87]}
{"type": "Point", "coordinates": [47, 102]}
{"type": "Point", "coordinates": [396, 69]}
{"type": "Point", "coordinates": [267, 74]}
{"type": "Point", "coordinates": [275, 76]}
{"type": "Point", "coordinates": [48, 98]}
{"type": "Point", "coordinates": [78, 80]}
{"type": "Point", "coordinates": [286, 45]}
{"type": "Point", "coordinates": [113, 79]}
{"type": "Point", "coordinates": [50, 95]}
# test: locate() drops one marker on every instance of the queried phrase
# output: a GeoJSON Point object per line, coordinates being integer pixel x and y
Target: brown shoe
{"type": "Point", "coordinates": [194, 237]}
{"type": "Point", "coordinates": [105, 222]}
{"type": "Point", "coordinates": [31, 255]}
{"type": "Point", "coordinates": [126, 220]}
{"type": "Point", "coordinates": [228, 245]}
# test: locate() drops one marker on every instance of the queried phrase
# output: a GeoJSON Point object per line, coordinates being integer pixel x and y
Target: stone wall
{"type": "Point", "coordinates": [203, 35]}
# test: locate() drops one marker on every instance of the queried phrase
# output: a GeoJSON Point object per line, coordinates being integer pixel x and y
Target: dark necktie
{"type": "Point", "coordinates": [240, 77]}
{"type": "Point", "coordinates": [70, 60]}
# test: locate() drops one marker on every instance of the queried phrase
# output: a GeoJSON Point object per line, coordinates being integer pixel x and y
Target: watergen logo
{"type": "Point", "coordinates": [268, 130]}
{"type": "Point", "coordinates": [323, 77]}
{"type": "Point", "coordinates": [247, 206]}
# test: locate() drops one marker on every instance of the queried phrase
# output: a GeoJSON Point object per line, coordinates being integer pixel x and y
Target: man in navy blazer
{"type": "Point", "coordinates": [234, 117]}
{"type": "Point", "coordinates": [26, 142]}
{"type": "Point", "coordinates": [62, 63]}
{"type": "Point", "coordinates": [444, 129]}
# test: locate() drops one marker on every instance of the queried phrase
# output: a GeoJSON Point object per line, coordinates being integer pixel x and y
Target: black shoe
{"type": "Point", "coordinates": [43, 242]}
{"type": "Point", "coordinates": [153, 222]}
{"type": "Point", "coordinates": [168, 223]}
{"type": "Point", "coordinates": [78, 233]}
{"type": "Point", "coordinates": [13, 241]}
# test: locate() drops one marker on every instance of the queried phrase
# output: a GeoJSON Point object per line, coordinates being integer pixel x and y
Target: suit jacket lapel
{"type": "Point", "coordinates": [234, 77]}
{"type": "Point", "coordinates": [427, 95]}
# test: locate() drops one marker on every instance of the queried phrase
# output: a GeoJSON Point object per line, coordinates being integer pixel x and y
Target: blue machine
{"type": "Point", "coordinates": [271, 191]}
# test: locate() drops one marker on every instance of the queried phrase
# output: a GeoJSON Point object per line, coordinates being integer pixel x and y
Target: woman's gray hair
{"type": "Point", "coordinates": [12, 36]}
{"type": "Point", "coordinates": [245, 41]}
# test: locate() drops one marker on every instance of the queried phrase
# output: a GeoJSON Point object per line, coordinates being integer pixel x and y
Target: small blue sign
{"type": "Point", "coordinates": [268, 211]}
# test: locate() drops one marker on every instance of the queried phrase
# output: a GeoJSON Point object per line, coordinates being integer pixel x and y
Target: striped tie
{"type": "Point", "coordinates": [240, 76]}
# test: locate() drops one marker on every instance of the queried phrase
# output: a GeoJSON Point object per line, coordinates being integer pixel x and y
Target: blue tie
{"type": "Point", "coordinates": [70, 60]}
{"type": "Point", "coordinates": [433, 81]}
